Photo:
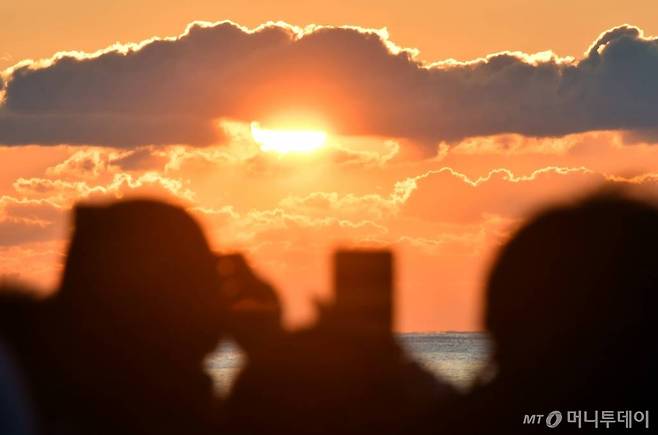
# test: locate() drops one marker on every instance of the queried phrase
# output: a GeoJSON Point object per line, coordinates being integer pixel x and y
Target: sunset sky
{"type": "Point", "coordinates": [292, 128]}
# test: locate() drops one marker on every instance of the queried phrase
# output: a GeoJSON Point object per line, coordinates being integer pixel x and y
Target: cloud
{"type": "Point", "coordinates": [141, 158]}
{"type": "Point", "coordinates": [25, 221]}
{"type": "Point", "coordinates": [346, 156]}
{"type": "Point", "coordinates": [121, 184]}
{"type": "Point", "coordinates": [84, 163]}
{"type": "Point", "coordinates": [36, 264]}
{"type": "Point", "coordinates": [443, 219]}
{"type": "Point", "coordinates": [24, 127]}
{"type": "Point", "coordinates": [174, 90]}
{"type": "Point", "coordinates": [38, 210]}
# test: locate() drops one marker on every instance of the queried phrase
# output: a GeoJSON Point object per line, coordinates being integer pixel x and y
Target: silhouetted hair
{"type": "Point", "coordinates": [572, 297]}
{"type": "Point", "coordinates": [147, 265]}
{"type": "Point", "coordinates": [120, 347]}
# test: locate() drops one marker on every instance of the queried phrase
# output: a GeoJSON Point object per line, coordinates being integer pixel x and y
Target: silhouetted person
{"type": "Point", "coordinates": [16, 413]}
{"type": "Point", "coordinates": [120, 348]}
{"type": "Point", "coordinates": [344, 375]}
{"type": "Point", "coordinates": [571, 308]}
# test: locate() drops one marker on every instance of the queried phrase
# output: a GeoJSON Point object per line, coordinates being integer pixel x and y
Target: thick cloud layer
{"type": "Point", "coordinates": [174, 90]}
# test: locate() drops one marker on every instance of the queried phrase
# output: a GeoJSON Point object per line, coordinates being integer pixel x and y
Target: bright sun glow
{"type": "Point", "coordinates": [286, 141]}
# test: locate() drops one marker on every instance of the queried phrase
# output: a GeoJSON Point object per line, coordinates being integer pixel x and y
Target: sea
{"type": "Point", "coordinates": [456, 357]}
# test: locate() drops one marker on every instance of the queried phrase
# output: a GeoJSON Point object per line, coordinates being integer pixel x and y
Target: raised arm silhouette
{"type": "Point", "coordinates": [344, 375]}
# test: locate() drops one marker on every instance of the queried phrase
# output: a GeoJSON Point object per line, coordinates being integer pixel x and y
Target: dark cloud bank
{"type": "Point", "coordinates": [171, 90]}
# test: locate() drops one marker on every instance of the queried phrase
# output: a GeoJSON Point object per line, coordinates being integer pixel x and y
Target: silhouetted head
{"type": "Point", "coordinates": [140, 274]}
{"type": "Point", "coordinates": [571, 298]}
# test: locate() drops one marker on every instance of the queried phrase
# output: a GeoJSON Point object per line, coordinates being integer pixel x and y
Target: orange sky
{"type": "Point", "coordinates": [444, 202]}
{"type": "Point", "coordinates": [440, 29]}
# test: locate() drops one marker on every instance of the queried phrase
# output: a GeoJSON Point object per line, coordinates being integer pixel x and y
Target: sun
{"type": "Point", "coordinates": [288, 141]}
